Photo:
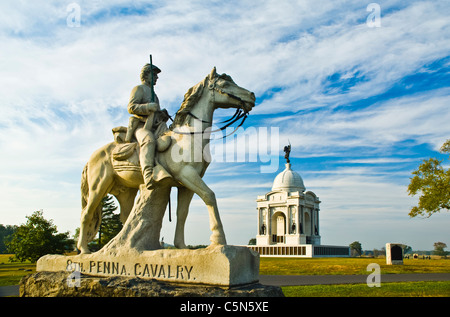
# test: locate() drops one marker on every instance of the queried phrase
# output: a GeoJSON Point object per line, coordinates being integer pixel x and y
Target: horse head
{"type": "Point", "coordinates": [220, 91]}
{"type": "Point", "coordinates": [227, 94]}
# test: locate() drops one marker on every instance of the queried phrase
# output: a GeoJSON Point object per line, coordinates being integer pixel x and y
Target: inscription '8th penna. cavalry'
{"type": "Point", "coordinates": [143, 270]}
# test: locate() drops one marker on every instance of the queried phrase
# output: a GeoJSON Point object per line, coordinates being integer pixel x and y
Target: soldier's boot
{"type": "Point", "coordinates": [147, 158]}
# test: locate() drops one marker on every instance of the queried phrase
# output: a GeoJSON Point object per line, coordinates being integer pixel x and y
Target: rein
{"type": "Point", "coordinates": [238, 115]}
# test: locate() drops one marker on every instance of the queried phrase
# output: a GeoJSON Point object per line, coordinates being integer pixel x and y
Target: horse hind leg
{"type": "Point", "coordinates": [184, 199]}
{"type": "Point", "coordinates": [90, 222]}
{"type": "Point", "coordinates": [92, 213]}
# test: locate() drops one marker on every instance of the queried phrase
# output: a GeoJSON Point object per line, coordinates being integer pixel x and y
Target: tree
{"type": "Point", "coordinates": [377, 253]}
{"type": "Point", "coordinates": [111, 224]}
{"type": "Point", "coordinates": [356, 247]}
{"type": "Point", "coordinates": [406, 249]}
{"type": "Point", "coordinates": [432, 181]}
{"type": "Point", "coordinates": [439, 248]}
{"type": "Point", "coordinates": [5, 231]}
{"type": "Point", "coordinates": [252, 241]}
{"type": "Point", "coordinates": [36, 238]}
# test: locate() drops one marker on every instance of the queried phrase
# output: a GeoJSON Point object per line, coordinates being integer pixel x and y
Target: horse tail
{"type": "Point", "coordinates": [84, 187]}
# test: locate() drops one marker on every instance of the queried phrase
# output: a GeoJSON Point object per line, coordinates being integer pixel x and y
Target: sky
{"type": "Point", "coordinates": [359, 89]}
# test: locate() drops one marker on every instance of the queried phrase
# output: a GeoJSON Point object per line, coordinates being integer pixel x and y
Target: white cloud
{"type": "Point", "coordinates": [379, 160]}
{"type": "Point", "coordinates": [422, 117]}
{"type": "Point", "coordinates": [318, 40]}
{"type": "Point", "coordinates": [404, 43]}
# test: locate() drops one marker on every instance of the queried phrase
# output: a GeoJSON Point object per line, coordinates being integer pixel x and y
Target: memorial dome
{"type": "Point", "coordinates": [288, 180]}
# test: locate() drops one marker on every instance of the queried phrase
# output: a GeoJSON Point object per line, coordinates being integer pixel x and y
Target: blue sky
{"type": "Point", "coordinates": [361, 106]}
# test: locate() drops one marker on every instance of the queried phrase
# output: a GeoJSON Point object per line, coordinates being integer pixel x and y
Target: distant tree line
{"type": "Point", "coordinates": [5, 232]}
{"type": "Point", "coordinates": [356, 250]}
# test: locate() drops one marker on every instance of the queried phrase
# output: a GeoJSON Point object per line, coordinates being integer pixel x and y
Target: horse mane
{"type": "Point", "coordinates": [190, 99]}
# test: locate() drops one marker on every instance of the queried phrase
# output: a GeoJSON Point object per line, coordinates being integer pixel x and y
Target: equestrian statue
{"type": "Point", "coordinates": [147, 155]}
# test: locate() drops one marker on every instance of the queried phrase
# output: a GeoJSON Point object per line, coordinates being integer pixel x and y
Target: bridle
{"type": "Point", "coordinates": [240, 114]}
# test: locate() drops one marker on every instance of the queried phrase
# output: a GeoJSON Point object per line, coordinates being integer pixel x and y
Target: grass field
{"type": "Point", "coordinates": [327, 266]}
{"type": "Point", "coordinates": [12, 272]}
{"type": "Point", "coordinates": [403, 289]}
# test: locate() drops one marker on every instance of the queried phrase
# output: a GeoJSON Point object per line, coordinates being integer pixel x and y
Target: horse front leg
{"type": "Point", "coordinates": [190, 178]}
{"type": "Point", "coordinates": [184, 199]}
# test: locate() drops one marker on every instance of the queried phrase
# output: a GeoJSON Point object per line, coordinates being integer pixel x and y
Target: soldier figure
{"type": "Point", "coordinates": [287, 151]}
{"type": "Point", "coordinates": [146, 124]}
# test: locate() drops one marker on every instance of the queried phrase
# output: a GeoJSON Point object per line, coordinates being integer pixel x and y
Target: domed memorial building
{"type": "Point", "coordinates": [288, 220]}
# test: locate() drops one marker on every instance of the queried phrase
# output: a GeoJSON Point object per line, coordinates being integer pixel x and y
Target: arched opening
{"type": "Point", "coordinates": [278, 227]}
{"type": "Point", "coordinates": [396, 253]}
{"type": "Point", "coordinates": [307, 224]}
{"type": "Point", "coordinates": [307, 227]}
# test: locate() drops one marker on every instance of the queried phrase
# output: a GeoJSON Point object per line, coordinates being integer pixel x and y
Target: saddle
{"type": "Point", "coordinates": [125, 155]}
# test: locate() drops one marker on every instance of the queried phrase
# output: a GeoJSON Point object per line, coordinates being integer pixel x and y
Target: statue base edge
{"type": "Point", "coordinates": [62, 284]}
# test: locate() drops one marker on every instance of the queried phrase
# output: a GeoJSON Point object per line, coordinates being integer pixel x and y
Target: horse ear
{"type": "Point", "coordinates": [213, 74]}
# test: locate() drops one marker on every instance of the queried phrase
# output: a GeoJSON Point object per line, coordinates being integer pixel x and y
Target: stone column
{"type": "Point", "coordinates": [301, 218]}
{"type": "Point", "coordinates": [258, 229]}
{"type": "Point", "coordinates": [317, 219]}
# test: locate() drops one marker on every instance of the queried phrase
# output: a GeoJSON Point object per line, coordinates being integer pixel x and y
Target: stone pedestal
{"type": "Point", "coordinates": [63, 284]}
{"type": "Point", "coordinates": [216, 265]}
{"type": "Point", "coordinates": [217, 271]}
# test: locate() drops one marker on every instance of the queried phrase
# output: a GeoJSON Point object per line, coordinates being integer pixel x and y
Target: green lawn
{"type": "Point", "coordinates": [327, 266]}
{"type": "Point", "coordinates": [12, 272]}
{"type": "Point", "coordinates": [403, 289]}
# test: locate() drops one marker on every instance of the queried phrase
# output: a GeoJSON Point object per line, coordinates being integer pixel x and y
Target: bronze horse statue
{"type": "Point", "coordinates": [181, 157]}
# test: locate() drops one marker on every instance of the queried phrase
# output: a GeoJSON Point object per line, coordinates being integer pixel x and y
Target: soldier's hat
{"type": "Point", "coordinates": [155, 68]}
